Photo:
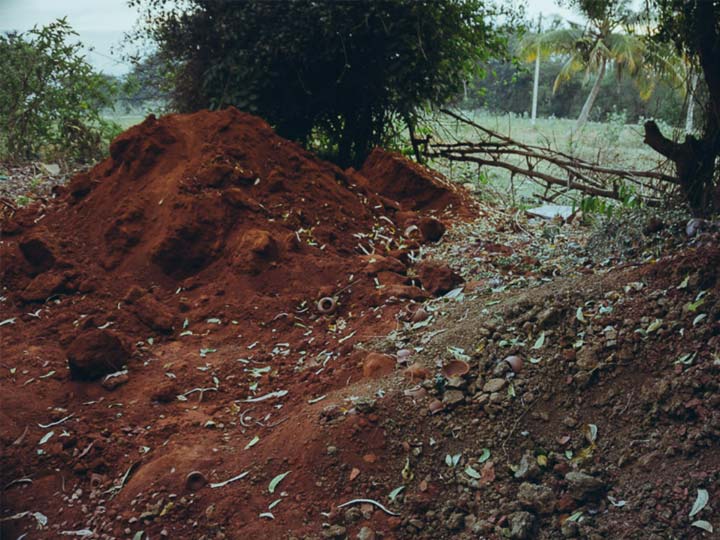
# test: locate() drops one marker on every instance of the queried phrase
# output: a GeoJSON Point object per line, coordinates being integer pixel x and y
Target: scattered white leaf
{"type": "Point", "coordinates": [275, 481]}
{"type": "Point", "coordinates": [700, 502]}
{"type": "Point", "coordinates": [702, 524]}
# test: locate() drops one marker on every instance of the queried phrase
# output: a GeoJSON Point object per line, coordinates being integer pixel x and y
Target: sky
{"type": "Point", "coordinates": [101, 24]}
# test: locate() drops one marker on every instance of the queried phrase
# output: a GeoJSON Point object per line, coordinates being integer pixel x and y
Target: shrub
{"type": "Point", "coordinates": [50, 97]}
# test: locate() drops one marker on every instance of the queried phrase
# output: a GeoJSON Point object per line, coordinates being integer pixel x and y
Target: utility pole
{"type": "Point", "coordinates": [537, 74]}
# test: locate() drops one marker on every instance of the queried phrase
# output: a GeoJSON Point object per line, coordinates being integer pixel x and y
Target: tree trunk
{"type": "Point", "coordinates": [585, 112]}
{"type": "Point", "coordinates": [694, 164]}
{"type": "Point", "coordinates": [696, 159]}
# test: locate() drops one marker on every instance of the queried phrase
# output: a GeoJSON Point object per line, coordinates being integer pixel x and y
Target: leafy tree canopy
{"type": "Point", "coordinates": [341, 71]}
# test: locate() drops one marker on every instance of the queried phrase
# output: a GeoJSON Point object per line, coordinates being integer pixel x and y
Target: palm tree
{"type": "Point", "coordinates": [593, 49]}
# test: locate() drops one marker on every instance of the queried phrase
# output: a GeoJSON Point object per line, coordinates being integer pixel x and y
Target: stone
{"type": "Point", "coordinates": [521, 525]}
{"type": "Point", "coordinates": [494, 385]}
{"type": "Point", "coordinates": [366, 533]}
{"type": "Point", "coordinates": [453, 397]}
{"type": "Point", "coordinates": [528, 468]}
{"type": "Point", "coordinates": [536, 497]}
{"type": "Point", "coordinates": [582, 486]}
{"type": "Point", "coordinates": [95, 353]}
{"type": "Point", "coordinates": [456, 521]}
{"type": "Point", "coordinates": [336, 531]}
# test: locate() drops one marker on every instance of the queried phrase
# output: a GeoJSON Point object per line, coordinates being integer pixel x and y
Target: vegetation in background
{"type": "Point", "coordinates": [335, 72]}
{"type": "Point", "coordinates": [50, 97]}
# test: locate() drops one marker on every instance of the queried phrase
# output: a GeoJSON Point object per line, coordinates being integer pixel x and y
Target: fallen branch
{"type": "Point", "coordinates": [557, 171]}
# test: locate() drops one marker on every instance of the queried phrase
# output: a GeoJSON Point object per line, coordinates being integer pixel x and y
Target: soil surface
{"type": "Point", "coordinates": [214, 334]}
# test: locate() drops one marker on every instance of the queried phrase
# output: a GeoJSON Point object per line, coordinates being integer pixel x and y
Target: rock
{"type": "Point", "coordinates": [494, 385]}
{"type": "Point", "coordinates": [112, 381]}
{"type": "Point", "coordinates": [96, 353]}
{"type": "Point", "coordinates": [431, 229]}
{"type": "Point", "coordinates": [437, 277]}
{"type": "Point", "coordinates": [166, 392]}
{"type": "Point", "coordinates": [521, 525]}
{"type": "Point", "coordinates": [536, 497]}
{"type": "Point", "coordinates": [366, 533]}
{"type": "Point", "coordinates": [453, 397]}
{"type": "Point", "coordinates": [587, 358]}
{"type": "Point", "coordinates": [336, 531]}
{"type": "Point", "coordinates": [456, 521]}
{"type": "Point", "coordinates": [528, 468]}
{"type": "Point", "coordinates": [378, 365]}
{"type": "Point", "coordinates": [582, 486]}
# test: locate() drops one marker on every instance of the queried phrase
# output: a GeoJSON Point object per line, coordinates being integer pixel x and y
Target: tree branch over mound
{"type": "Point", "coordinates": [548, 167]}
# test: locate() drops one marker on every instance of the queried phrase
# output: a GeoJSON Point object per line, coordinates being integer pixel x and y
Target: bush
{"type": "Point", "coordinates": [337, 72]}
{"type": "Point", "coordinates": [50, 97]}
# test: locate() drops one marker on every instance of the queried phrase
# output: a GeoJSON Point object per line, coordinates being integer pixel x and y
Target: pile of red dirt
{"type": "Point", "coordinates": [215, 201]}
{"type": "Point", "coordinates": [413, 186]}
{"type": "Point", "coordinates": [204, 232]}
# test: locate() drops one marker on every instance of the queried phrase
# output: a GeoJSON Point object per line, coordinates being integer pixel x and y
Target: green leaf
{"type": "Point", "coordinates": [253, 442]}
{"type": "Point", "coordinates": [539, 342]}
{"type": "Point", "coordinates": [484, 456]}
{"type": "Point", "coordinates": [275, 481]}
{"type": "Point", "coordinates": [472, 473]}
{"type": "Point", "coordinates": [395, 492]}
{"type": "Point", "coordinates": [684, 283]}
{"type": "Point", "coordinates": [657, 323]}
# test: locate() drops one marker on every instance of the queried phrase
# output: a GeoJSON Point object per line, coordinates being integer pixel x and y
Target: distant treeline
{"type": "Point", "coordinates": [508, 89]}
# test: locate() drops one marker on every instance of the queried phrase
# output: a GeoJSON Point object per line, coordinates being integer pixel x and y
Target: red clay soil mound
{"type": "Point", "coordinates": [212, 200]}
{"type": "Point", "coordinates": [413, 186]}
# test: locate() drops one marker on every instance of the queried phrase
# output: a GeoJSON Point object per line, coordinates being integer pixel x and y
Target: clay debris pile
{"type": "Point", "coordinates": [195, 213]}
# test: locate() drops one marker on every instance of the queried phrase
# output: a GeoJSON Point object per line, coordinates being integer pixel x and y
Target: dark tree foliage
{"type": "Point", "coordinates": [693, 26]}
{"type": "Point", "coordinates": [339, 70]}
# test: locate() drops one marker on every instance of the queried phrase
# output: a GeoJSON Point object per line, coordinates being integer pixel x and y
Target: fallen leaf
{"type": "Point", "coordinates": [354, 473]}
{"type": "Point", "coordinates": [472, 473]}
{"type": "Point", "coordinates": [702, 524]}
{"type": "Point", "coordinates": [540, 341]}
{"type": "Point", "coordinates": [395, 492]}
{"type": "Point", "coordinates": [275, 481]}
{"type": "Point", "coordinates": [253, 442]}
{"type": "Point", "coordinates": [579, 315]}
{"type": "Point", "coordinates": [700, 502]}
{"type": "Point", "coordinates": [484, 456]}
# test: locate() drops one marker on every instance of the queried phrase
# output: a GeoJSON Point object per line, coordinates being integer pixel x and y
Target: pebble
{"type": "Point", "coordinates": [494, 385]}
{"type": "Point", "coordinates": [521, 525]}
{"type": "Point", "coordinates": [453, 397]}
{"type": "Point", "coordinates": [582, 486]}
